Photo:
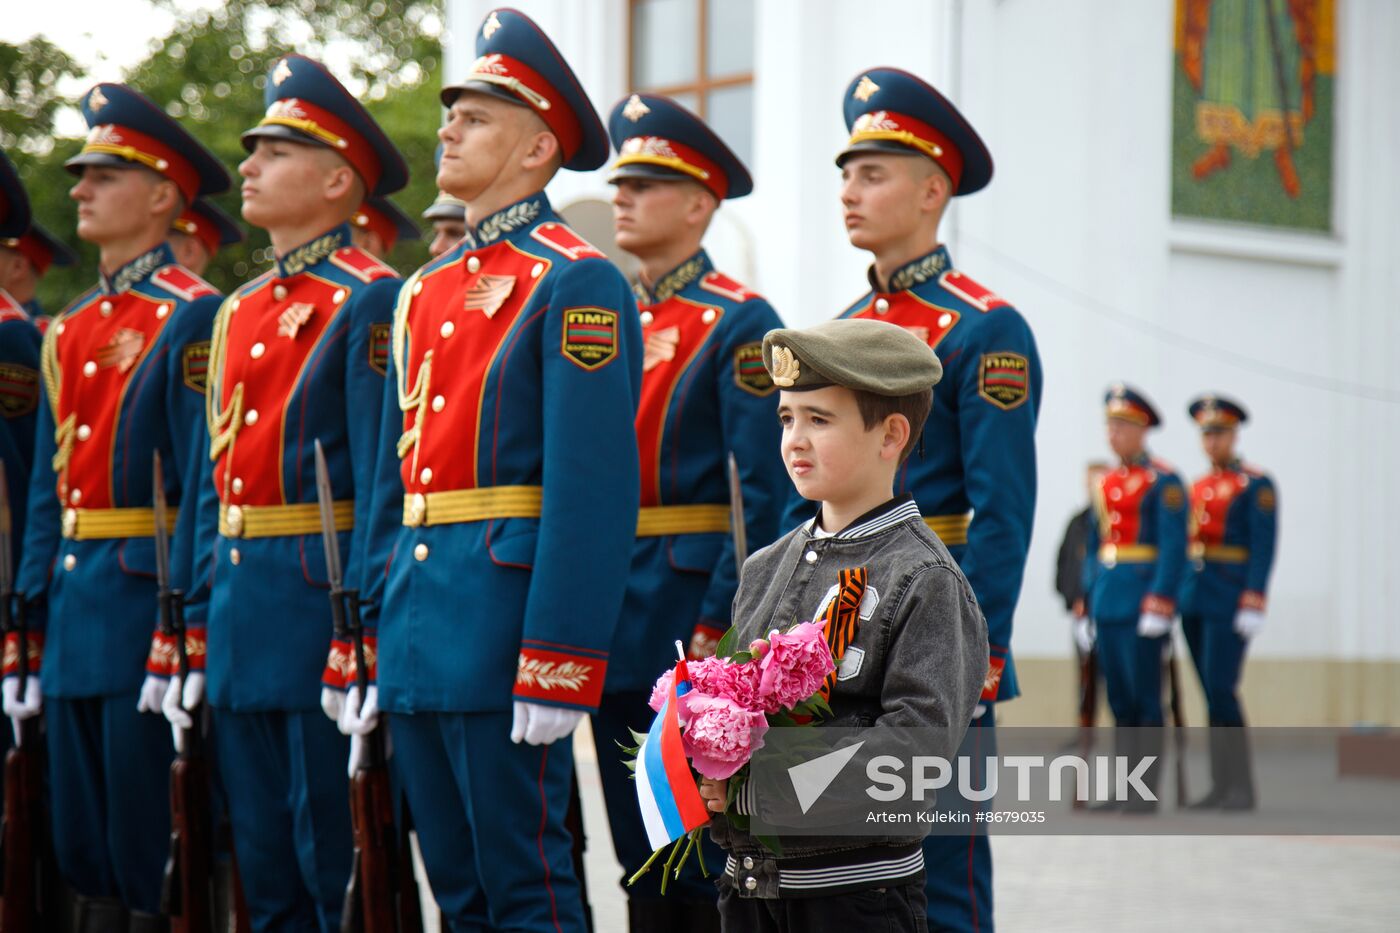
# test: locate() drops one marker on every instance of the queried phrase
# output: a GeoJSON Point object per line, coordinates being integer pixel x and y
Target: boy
{"type": "Point", "coordinates": [855, 394]}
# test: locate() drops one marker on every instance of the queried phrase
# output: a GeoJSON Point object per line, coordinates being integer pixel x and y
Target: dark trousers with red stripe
{"type": "Point", "coordinates": [959, 868]}
{"type": "Point", "coordinates": [490, 821]}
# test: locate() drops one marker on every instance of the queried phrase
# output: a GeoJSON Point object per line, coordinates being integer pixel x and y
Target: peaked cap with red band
{"type": "Point", "coordinates": [210, 224]}
{"type": "Point", "coordinates": [1128, 404]}
{"type": "Point", "coordinates": [658, 138]}
{"type": "Point", "coordinates": [517, 62]}
{"type": "Point", "coordinates": [126, 128]}
{"type": "Point", "coordinates": [1217, 413]}
{"type": "Point", "coordinates": [888, 110]}
{"type": "Point", "coordinates": [387, 219]}
{"type": "Point", "coordinates": [306, 104]}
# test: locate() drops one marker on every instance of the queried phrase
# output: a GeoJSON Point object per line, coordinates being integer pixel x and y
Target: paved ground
{"type": "Point", "coordinates": [1138, 883]}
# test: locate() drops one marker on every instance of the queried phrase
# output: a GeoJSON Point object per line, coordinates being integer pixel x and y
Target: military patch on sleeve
{"type": "Point", "coordinates": [1265, 501]}
{"type": "Point", "coordinates": [379, 347]}
{"type": "Point", "coordinates": [590, 336]}
{"type": "Point", "coordinates": [1004, 379]}
{"type": "Point", "coordinates": [749, 372]}
{"type": "Point", "coordinates": [19, 390]}
{"type": "Point", "coordinates": [1173, 498]}
{"type": "Point", "coordinates": [196, 366]}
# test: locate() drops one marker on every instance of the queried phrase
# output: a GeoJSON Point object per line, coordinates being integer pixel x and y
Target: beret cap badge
{"type": "Point", "coordinates": [786, 369]}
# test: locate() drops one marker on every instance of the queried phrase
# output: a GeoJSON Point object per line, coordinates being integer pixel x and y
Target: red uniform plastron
{"type": "Point", "coordinates": [97, 355]}
{"type": "Point", "coordinates": [1211, 497]}
{"type": "Point", "coordinates": [270, 365]}
{"type": "Point", "coordinates": [463, 319]}
{"type": "Point", "coordinates": [927, 321]}
{"type": "Point", "coordinates": [560, 674]}
{"type": "Point", "coordinates": [677, 332]}
{"type": "Point", "coordinates": [558, 116]}
{"type": "Point", "coordinates": [1123, 490]}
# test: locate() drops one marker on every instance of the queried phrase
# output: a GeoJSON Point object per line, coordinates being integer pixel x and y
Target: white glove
{"type": "Point", "coordinates": [1248, 622]}
{"type": "Point", "coordinates": [333, 703]}
{"type": "Point", "coordinates": [979, 710]}
{"type": "Point", "coordinates": [152, 694]}
{"type": "Point", "coordinates": [358, 718]}
{"type": "Point", "coordinates": [21, 709]}
{"type": "Point", "coordinates": [1084, 634]}
{"type": "Point", "coordinates": [179, 703]}
{"type": "Point", "coordinates": [542, 725]}
{"type": "Point", "coordinates": [359, 750]}
{"type": "Point", "coordinates": [1153, 625]}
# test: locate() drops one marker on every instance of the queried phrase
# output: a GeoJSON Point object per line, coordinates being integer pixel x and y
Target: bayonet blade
{"type": "Point", "coordinates": [736, 516]}
{"type": "Point", "coordinates": [326, 501]}
{"type": "Point", "coordinates": [158, 505]}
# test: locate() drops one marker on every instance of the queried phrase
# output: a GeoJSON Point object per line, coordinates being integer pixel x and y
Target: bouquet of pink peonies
{"type": "Point", "coordinates": [732, 700]}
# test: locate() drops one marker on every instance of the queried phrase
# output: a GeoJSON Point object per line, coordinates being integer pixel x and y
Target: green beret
{"type": "Point", "coordinates": [872, 356]}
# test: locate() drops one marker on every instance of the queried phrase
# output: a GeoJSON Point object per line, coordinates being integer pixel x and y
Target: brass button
{"type": "Point", "coordinates": [439, 403]}
{"type": "Point", "coordinates": [162, 311]}
{"type": "Point", "coordinates": [258, 350]}
{"type": "Point", "coordinates": [75, 496]}
{"type": "Point", "coordinates": [234, 557]}
{"type": "Point", "coordinates": [420, 552]}
{"type": "Point", "coordinates": [748, 862]}
{"type": "Point", "coordinates": [881, 306]}
{"type": "Point", "coordinates": [250, 418]}
{"type": "Point", "coordinates": [417, 288]}
{"type": "Point", "coordinates": [536, 270]}
{"type": "Point", "coordinates": [84, 432]}
{"type": "Point", "coordinates": [70, 562]}
{"type": "Point", "coordinates": [339, 295]}
{"type": "Point", "coordinates": [473, 264]}
{"type": "Point", "coordinates": [945, 319]}
{"type": "Point", "coordinates": [89, 369]}
{"type": "Point", "coordinates": [106, 309]}
{"type": "Point", "coordinates": [279, 292]}
{"type": "Point", "coordinates": [708, 317]}
{"type": "Point", "coordinates": [426, 476]}
{"type": "Point", "coordinates": [447, 328]}
{"type": "Point", "coordinates": [238, 484]}
{"type": "Point", "coordinates": [417, 509]}
{"type": "Point", "coordinates": [235, 521]}
{"type": "Point", "coordinates": [750, 883]}
{"type": "Point", "coordinates": [647, 318]}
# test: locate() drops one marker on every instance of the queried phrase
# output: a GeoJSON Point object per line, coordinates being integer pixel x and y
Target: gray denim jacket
{"type": "Point", "coordinates": [918, 659]}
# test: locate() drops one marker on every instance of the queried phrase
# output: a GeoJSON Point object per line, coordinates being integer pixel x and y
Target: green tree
{"type": "Point", "coordinates": [210, 73]}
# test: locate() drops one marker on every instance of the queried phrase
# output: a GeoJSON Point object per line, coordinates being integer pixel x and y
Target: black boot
{"type": "Point", "coordinates": [149, 923]}
{"type": "Point", "coordinates": [1239, 771]}
{"type": "Point", "coordinates": [1211, 801]}
{"type": "Point", "coordinates": [1149, 743]}
{"type": "Point", "coordinates": [101, 915]}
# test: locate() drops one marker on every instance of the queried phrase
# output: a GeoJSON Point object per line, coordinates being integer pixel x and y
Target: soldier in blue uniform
{"type": "Point", "coordinates": [1233, 529]}
{"type": "Point", "coordinates": [25, 255]}
{"type": "Point", "coordinates": [298, 355]}
{"type": "Point", "coordinates": [19, 363]}
{"type": "Point", "coordinates": [117, 383]}
{"type": "Point", "coordinates": [199, 232]}
{"type": "Point", "coordinates": [910, 152]}
{"type": "Point", "coordinates": [379, 225]}
{"type": "Point", "coordinates": [705, 394]}
{"type": "Point", "coordinates": [1136, 550]}
{"type": "Point", "coordinates": [506, 496]}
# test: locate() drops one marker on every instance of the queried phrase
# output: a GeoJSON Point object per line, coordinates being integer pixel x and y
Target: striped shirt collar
{"type": "Point", "coordinates": [899, 509]}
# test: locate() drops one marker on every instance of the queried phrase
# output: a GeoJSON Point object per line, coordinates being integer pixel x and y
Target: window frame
{"type": "Point", "coordinates": [704, 83]}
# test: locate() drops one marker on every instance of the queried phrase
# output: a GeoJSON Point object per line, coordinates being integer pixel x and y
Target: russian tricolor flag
{"type": "Point", "coordinates": [666, 791]}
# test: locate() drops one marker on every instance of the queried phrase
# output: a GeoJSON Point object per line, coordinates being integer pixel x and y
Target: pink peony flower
{"type": "Point", "coordinates": [793, 669]}
{"type": "Point", "coordinates": [662, 690]}
{"type": "Point", "coordinates": [717, 677]}
{"type": "Point", "coordinates": [721, 736]}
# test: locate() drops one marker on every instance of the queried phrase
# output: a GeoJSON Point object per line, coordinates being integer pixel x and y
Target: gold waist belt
{"type": "Point", "coordinates": [1219, 553]}
{"type": "Point", "coordinates": [471, 505]}
{"type": "Point", "coordinates": [653, 521]}
{"type": "Point", "coordinates": [951, 529]}
{"type": "Point", "coordinates": [1110, 554]}
{"type": "Point", "coordinates": [94, 524]}
{"type": "Point", "coordinates": [277, 521]}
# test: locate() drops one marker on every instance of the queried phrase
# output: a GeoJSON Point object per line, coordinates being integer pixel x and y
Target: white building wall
{"type": "Point", "coordinates": [1074, 98]}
